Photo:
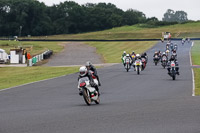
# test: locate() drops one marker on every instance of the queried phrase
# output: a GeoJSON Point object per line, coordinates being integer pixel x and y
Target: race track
{"type": "Point", "coordinates": [148, 103]}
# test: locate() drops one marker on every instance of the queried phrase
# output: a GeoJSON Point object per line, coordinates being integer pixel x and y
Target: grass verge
{"type": "Point", "coordinates": [196, 61]}
{"type": "Point", "coordinates": [196, 53]}
{"type": "Point", "coordinates": [37, 47]}
{"type": "Point", "coordinates": [112, 51]}
{"type": "Point", "coordinates": [14, 76]}
{"type": "Point", "coordinates": [197, 81]}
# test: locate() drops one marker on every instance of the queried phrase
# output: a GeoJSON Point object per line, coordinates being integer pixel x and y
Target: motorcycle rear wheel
{"type": "Point", "coordinates": [86, 97]}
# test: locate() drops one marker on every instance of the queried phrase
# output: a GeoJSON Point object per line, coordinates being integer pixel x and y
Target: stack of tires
{"type": "Point", "coordinates": [47, 54]}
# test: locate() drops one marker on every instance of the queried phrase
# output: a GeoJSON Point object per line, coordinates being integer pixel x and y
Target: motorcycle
{"type": "Point", "coordinates": [164, 61]}
{"type": "Point", "coordinates": [176, 47]}
{"type": "Point", "coordinates": [173, 70]}
{"type": "Point", "coordinates": [167, 52]}
{"type": "Point", "coordinates": [127, 64]}
{"type": "Point", "coordinates": [144, 62]}
{"type": "Point", "coordinates": [89, 92]}
{"type": "Point", "coordinates": [156, 59]}
{"type": "Point", "coordinates": [138, 66]}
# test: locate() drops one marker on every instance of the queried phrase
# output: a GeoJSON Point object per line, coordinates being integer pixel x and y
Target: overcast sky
{"type": "Point", "coordinates": [150, 8]}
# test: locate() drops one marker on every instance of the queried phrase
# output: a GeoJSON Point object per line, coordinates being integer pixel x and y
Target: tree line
{"type": "Point", "coordinates": [31, 17]}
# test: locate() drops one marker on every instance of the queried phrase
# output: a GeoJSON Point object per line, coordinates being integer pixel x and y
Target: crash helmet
{"type": "Point", "coordinates": [137, 55]}
{"type": "Point", "coordinates": [164, 53]}
{"type": "Point", "coordinates": [127, 55]}
{"type": "Point", "coordinates": [83, 71]}
{"type": "Point", "coordinates": [124, 52]}
{"type": "Point", "coordinates": [88, 64]}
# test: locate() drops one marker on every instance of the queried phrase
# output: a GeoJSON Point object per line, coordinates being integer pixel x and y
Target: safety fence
{"type": "Point", "coordinates": [45, 55]}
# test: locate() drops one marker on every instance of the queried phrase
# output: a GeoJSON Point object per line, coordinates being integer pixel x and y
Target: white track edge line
{"type": "Point", "coordinates": [193, 80]}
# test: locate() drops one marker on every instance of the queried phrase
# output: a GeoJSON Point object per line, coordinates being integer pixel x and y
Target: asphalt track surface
{"type": "Point", "coordinates": [148, 103]}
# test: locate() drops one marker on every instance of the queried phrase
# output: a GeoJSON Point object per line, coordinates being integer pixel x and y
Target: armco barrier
{"type": "Point", "coordinates": [40, 57]}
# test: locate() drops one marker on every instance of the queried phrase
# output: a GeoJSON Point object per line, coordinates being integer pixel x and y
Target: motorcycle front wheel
{"type": "Point", "coordinates": [138, 70]}
{"type": "Point", "coordinates": [174, 77]}
{"type": "Point", "coordinates": [86, 96]}
{"type": "Point", "coordinates": [97, 101]}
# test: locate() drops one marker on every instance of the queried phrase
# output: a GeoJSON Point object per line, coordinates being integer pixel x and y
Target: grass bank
{"type": "Point", "coordinates": [197, 81]}
{"type": "Point", "coordinates": [112, 51]}
{"type": "Point", "coordinates": [196, 53]}
{"type": "Point", "coordinates": [14, 76]}
{"type": "Point", "coordinates": [37, 47]}
{"type": "Point", "coordinates": [139, 31]}
{"type": "Point", "coordinates": [196, 61]}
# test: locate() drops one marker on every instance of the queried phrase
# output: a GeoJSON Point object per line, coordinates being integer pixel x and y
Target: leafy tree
{"type": "Point", "coordinates": [178, 16]}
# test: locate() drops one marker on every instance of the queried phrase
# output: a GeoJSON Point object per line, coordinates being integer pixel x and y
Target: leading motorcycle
{"type": "Point", "coordinates": [172, 72]}
{"type": "Point", "coordinates": [90, 94]}
{"type": "Point", "coordinates": [127, 64]}
{"type": "Point", "coordinates": [164, 61]}
{"type": "Point", "coordinates": [156, 59]}
{"type": "Point", "coordinates": [138, 66]}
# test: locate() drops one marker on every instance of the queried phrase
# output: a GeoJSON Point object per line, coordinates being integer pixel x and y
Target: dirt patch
{"type": "Point", "coordinates": [75, 53]}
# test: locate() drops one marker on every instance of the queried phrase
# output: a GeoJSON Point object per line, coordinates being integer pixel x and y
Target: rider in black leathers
{"type": "Point", "coordinates": [173, 58]}
{"type": "Point", "coordinates": [92, 68]}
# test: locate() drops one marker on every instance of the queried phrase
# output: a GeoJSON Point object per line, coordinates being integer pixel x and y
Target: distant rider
{"type": "Point", "coordinates": [123, 55]}
{"type": "Point", "coordinates": [144, 55]}
{"type": "Point", "coordinates": [164, 56]}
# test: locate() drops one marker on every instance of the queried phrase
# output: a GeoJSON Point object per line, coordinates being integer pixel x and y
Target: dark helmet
{"type": "Point", "coordinates": [173, 57]}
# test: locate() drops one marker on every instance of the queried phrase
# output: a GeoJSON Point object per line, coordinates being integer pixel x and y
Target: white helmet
{"type": "Point", "coordinates": [124, 52]}
{"type": "Point", "coordinates": [83, 71]}
{"type": "Point", "coordinates": [164, 53]}
{"type": "Point", "coordinates": [127, 55]}
{"type": "Point", "coordinates": [137, 55]}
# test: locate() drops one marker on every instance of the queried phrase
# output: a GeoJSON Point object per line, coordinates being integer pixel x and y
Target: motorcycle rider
{"type": "Point", "coordinates": [89, 66]}
{"type": "Point", "coordinates": [144, 55]}
{"type": "Point", "coordinates": [173, 58]}
{"type": "Point", "coordinates": [137, 57]}
{"type": "Point", "coordinates": [164, 55]}
{"type": "Point", "coordinates": [83, 72]}
{"type": "Point", "coordinates": [130, 58]}
{"type": "Point", "coordinates": [123, 55]}
{"type": "Point", "coordinates": [156, 54]}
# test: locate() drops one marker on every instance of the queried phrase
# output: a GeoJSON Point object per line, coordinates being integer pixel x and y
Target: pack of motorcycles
{"type": "Point", "coordinates": [89, 92]}
{"type": "Point", "coordinates": [140, 64]}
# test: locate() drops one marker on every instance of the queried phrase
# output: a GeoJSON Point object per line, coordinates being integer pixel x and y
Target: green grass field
{"type": "Point", "coordinates": [196, 61]}
{"type": "Point", "coordinates": [14, 76]}
{"type": "Point", "coordinates": [196, 53]}
{"type": "Point", "coordinates": [197, 81]}
{"type": "Point", "coordinates": [112, 51]}
{"type": "Point", "coordinates": [138, 31]}
{"type": "Point", "coordinates": [37, 47]}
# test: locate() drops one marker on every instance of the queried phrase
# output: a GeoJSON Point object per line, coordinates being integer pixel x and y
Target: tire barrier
{"type": "Point", "coordinates": [45, 55]}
